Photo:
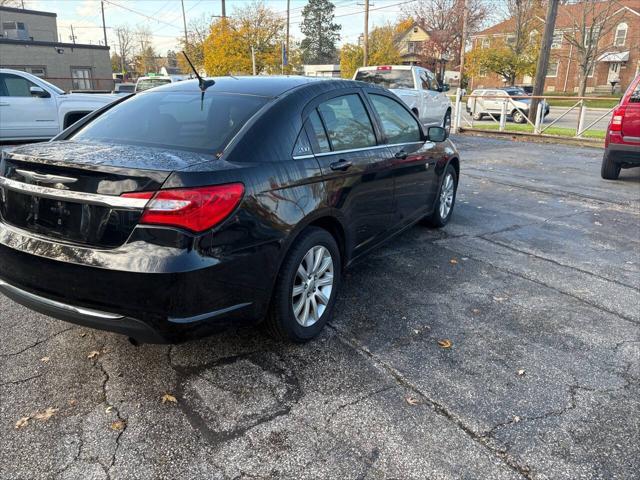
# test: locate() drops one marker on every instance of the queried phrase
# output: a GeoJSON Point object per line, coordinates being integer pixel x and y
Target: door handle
{"type": "Point", "coordinates": [341, 165]}
{"type": "Point", "coordinates": [3, 104]}
{"type": "Point", "coordinates": [401, 155]}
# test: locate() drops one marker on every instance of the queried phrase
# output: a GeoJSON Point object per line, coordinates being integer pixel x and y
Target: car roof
{"type": "Point", "coordinates": [271, 86]}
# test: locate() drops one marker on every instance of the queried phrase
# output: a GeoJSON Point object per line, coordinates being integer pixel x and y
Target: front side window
{"type": "Point", "coordinates": [81, 78]}
{"type": "Point", "coordinates": [398, 124]}
{"type": "Point", "coordinates": [14, 86]}
{"type": "Point", "coordinates": [174, 120]}
{"type": "Point", "coordinates": [347, 123]}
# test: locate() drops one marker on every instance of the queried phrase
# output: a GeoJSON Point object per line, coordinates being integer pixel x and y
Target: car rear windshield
{"type": "Point", "coordinates": [175, 120]}
{"type": "Point", "coordinates": [148, 83]}
{"type": "Point", "coordinates": [387, 78]}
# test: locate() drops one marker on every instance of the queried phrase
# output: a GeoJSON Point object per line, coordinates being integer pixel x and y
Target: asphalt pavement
{"type": "Point", "coordinates": [534, 287]}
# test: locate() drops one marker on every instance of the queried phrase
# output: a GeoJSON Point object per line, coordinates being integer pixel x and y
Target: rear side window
{"type": "Point", "coordinates": [175, 120]}
{"type": "Point", "coordinates": [347, 123]}
{"type": "Point", "coordinates": [398, 124]}
{"type": "Point", "coordinates": [635, 95]}
{"type": "Point", "coordinates": [320, 140]}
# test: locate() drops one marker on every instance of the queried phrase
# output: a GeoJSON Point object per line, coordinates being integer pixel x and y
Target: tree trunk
{"type": "Point", "coordinates": [583, 84]}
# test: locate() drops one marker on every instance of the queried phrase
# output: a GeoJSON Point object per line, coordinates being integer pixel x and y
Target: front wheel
{"type": "Point", "coordinates": [478, 116]}
{"type": "Point", "coordinates": [443, 209]}
{"type": "Point", "coordinates": [306, 288]}
{"type": "Point", "coordinates": [518, 117]}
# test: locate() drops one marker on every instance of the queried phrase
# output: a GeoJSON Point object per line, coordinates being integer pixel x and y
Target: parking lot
{"type": "Point", "coordinates": [534, 287]}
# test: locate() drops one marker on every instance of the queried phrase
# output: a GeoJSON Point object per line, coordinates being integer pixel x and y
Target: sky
{"type": "Point", "coordinates": [164, 17]}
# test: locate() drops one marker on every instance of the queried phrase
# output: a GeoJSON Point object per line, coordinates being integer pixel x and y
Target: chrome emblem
{"type": "Point", "coordinates": [57, 181]}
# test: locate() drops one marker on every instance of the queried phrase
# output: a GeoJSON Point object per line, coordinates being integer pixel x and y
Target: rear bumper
{"type": "Point", "coordinates": [188, 297]}
{"type": "Point", "coordinates": [623, 153]}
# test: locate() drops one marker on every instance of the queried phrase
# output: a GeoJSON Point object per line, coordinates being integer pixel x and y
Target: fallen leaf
{"type": "Point", "coordinates": [108, 409]}
{"type": "Point", "coordinates": [598, 224]}
{"type": "Point", "coordinates": [73, 402]}
{"type": "Point", "coordinates": [453, 261]}
{"type": "Point", "coordinates": [46, 414]}
{"type": "Point", "coordinates": [476, 310]}
{"type": "Point", "coordinates": [93, 354]}
{"type": "Point", "coordinates": [516, 419]}
{"type": "Point", "coordinates": [22, 422]}
{"type": "Point", "coordinates": [45, 359]}
{"type": "Point", "coordinates": [521, 372]}
{"type": "Point", "coordinates": [499, 299]}
{"type": "Point", "coordinates": [118, 425]}
{"type": "Point", "coordinates": [412, 401]}
{"type": "Point", "coordinates": [167, 397]}
{"type": "Point", "coordinates": [445, 343]}
{"type": "Point", "coordinates": [83, 334]}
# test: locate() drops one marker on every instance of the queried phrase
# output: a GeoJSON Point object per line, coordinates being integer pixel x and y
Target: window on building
{"type": "Point", "coordinates": [591, 69]}
{"type": "Point", "coordinates": [37, 71]}
{"type": "Point", "coordinates": [81, 78]}
{"type": "Point", "coordinates": [347, 123]}
{"type": "Point", "coordinates": [413, 47]}
{"type": "Point", "coordinates": [511, 39]}
{"type": "Point", "coordinates": [552, 70]}
{"type": "Point", "coordinates": [558, 37]}
{"type": "Point", "coordinates": [591, 36]}
{"type": "Point", "coordinates": [485, 43]}
{"type": "Point", "coordinates": [621, 35]}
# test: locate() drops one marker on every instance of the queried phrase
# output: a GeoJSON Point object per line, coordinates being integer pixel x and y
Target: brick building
{"type": "Point", "coordinates": [29, 42]}
{"type": "Point", "coordinates": [618, 57]}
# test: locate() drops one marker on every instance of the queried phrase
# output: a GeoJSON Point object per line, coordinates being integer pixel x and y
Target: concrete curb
{"type": "Point", "coordinates": [532, 138]}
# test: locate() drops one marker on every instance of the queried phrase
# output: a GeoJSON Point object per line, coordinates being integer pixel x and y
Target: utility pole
{"type": "Point", "coordinates": [463, 40]}
{"type": "Point", "coordinates": [104, 28]}
{"type": "Point", "coordinates": [184, 23]}
{"type": "Point", "coordinates": [365, 43]}
{"type": "Point", "coordinates": [253, 59]}
{"type": "Point", "coordinates": [73, 37]}
{"type": "Point", "coordinates": [287, 39]}
{"type": "Point", "coordinates": [543, 58]}
{"type": "Point", "coordinates": [224, 10]}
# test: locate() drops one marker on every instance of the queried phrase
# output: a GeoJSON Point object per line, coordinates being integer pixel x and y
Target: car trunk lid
{"type": "Point", "coordinates": [71, 191]}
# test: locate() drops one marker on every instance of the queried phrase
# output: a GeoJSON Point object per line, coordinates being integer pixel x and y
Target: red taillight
{"type": "Point", "coordinates": [616, 119]}
{"type": "Point", "coordinates": [196, 209]}
{"type": "Point", "coordinates": [385, 67]}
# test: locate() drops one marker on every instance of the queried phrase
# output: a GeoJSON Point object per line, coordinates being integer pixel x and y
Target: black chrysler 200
{"type": "Point", "coordinates": [175, 212]}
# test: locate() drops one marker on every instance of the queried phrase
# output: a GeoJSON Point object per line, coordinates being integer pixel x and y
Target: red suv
{"type": "Point", "coordinates": [622, 143]}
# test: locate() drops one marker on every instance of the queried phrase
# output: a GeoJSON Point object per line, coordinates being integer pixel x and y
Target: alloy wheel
{"type": "Point", "coordinates": [446, 195]}
{"type": "Point", "coordinates": [312, 286]}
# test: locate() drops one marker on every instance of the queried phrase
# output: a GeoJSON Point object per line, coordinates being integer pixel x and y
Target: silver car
{"type": "Point", "coordinates": [489, 102]}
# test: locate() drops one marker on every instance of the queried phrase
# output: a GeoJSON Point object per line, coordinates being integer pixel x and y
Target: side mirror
{"type": "Point", "coordinates": [436, 134]}
{"type": "Point", "coordinates": [38, 92]}
{"type": "Point", "coordinates": [445, 87]}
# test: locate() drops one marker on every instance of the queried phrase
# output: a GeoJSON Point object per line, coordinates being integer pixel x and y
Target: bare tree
{"type": "Point", "coordinates": [197, 32]}
{"type": "Point", "coordinates": [591, 22]}
{"type": "Point", "coordinates": [443, 19]}
{"type": "Point", "coordinates": [524, 15]}
{"type": "Point", "coordinates": [125, 40]}
{"type": "Point", "coordinates": [146, 57]}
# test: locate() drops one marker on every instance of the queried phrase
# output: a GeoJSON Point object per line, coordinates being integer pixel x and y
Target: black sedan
{"type": "Point", "coordinates": [173, 213]}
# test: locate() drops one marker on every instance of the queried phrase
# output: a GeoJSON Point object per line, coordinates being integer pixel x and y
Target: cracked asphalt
{"type": "Point", "coordinates": [542, 306]}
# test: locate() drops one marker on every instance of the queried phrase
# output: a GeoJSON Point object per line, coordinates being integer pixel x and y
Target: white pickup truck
{"type": "Point", "coordinates": [417, 87]}
{"type": "Point", "coordinates": [34, 109]}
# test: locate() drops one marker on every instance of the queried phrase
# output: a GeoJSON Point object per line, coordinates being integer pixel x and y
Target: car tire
{"type": "Point", "coordinates": [610, 170]}
{"type": "Point", "coordinates": [478, 116]}
{"type": "Point", "coordinates": [446, 122]}
{"type": "Point", "coordinates": [447, 197]}
{"type": "Point", "coordinates": [518, 117]}
{"type": "Point", "coordinates": [284, 322]}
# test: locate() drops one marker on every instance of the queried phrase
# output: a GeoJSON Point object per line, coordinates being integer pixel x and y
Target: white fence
{"type": "Point", "coordinates": [507, 107]}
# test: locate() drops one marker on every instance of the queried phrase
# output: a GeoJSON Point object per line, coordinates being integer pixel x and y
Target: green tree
{"type": "Point", "coordinates": [116, 63]}
{"type": "Point", "coordinates": [382, 51]}
{"type": "Point", "coordinates": [503, 60]}
{"type": "Point", "coordinates": [320, 33]}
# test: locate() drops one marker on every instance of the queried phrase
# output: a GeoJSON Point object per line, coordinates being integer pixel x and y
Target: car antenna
{"type": "Point", "coordinates": [204, 84]}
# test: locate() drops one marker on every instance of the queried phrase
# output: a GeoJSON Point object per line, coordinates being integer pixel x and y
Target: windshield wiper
{"type": "Point", "coordinates": [202, 83]}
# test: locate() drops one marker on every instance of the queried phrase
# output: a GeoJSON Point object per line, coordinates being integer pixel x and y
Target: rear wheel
{"type": "Point", "coordinates": [446, 122]}
{"type": "Point", "coordinates": [518, 117]}
{"type": "Point", "coordinates": [443, 209]}
{"type": "Point", "coordinates": [610, 170]}
{"type": "Point", "coordinates": [478, 116]}
{"type": "Point", "coordinates": [306, 287]}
